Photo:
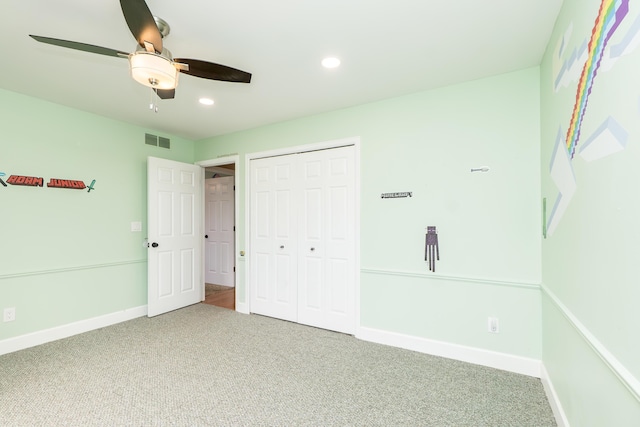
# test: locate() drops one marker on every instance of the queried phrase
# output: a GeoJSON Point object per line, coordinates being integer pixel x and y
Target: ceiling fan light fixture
{"type": "Point", "coordinates": [153, 70]}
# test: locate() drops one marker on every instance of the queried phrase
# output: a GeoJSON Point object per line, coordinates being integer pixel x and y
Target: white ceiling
{"type": "Point", "coordinates": [387, 48]}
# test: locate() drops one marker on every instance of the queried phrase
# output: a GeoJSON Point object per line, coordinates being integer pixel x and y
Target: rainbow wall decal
{"type": "Point", "coordinates": [611, 13]}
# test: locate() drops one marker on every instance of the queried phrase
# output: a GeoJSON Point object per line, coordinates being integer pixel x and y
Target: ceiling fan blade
{"type": "Point", "coordinates": [165, 93]}
{"type": "Point", "coordinates": [81, 46]}
{"type": "Point", "coordinates": [141, 23]}
{"type": "Point", "coordinates": [209, 70]}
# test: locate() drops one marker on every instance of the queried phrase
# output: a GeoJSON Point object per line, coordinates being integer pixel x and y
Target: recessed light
{"type": "Point", "coordinates": [206, 101]}
{"type": "Point", "coordinates": [330, 62]}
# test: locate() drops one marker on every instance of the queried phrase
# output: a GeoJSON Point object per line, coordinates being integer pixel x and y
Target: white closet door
{"type": "Point", "coordinates": [274, 250]}
{"type": "Point", "coordinates": [326, 235]}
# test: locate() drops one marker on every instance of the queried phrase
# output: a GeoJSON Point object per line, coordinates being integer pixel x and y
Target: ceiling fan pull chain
{"type": "Point", "coordinates": [152, 105]}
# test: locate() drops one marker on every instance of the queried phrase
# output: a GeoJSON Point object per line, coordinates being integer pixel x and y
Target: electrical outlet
{"type": "Point", "coordinates": [9, 314]}
{"type": "Point", "coordinates": [493, 325]}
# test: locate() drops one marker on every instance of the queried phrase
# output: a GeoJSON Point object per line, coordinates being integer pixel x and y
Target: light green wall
{"type": "Point", "coordinates": [68, 255]}
{"type": "Point", "coordinates": [488, 223]}
{"type": "Point", "coordinates": [589, 264]}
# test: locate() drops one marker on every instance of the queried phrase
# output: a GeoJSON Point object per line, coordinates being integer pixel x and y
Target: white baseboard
{"type": "Point", "coordinates": [552, 396]}
{"type": "Point", "coordinates": [492, 359]}
{"type": "Point", "coordinates": [36, 338]}
{"type": "Point", "coordinates": [242, 308]}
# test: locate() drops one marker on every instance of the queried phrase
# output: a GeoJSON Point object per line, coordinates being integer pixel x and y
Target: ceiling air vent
{"type": "Point", "coordinates": [157, 141]}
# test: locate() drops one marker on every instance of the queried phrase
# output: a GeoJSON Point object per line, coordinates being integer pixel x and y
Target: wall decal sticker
{"type": "Point", "coordinates": [397, 195]}
{"type": "Point", "coordinates": [595, 56]}
{"type": "Point", "coordinates": [431, 250]}
{"type": "Point", "coordinates": [35, 181]}
{"type": "Point", "coordinates": [611, 15]}
{"type": "Point", "coordinates": [563, 176]}
{"type": "Point", "coordinates": [29, 181]}
{"type": "Point", "coordinates": [91, 186]}
{"type": "Point", "coordinates": [570, 69]}
{"type": "Point", "coordinates": [628, 44]}
{"type": "Point", "coordinates": [608, 139]}
{"type": "Point", "coordinates": [66, 183]}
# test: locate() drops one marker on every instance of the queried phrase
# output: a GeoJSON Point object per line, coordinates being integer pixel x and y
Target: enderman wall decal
{"type": "Point", "coordinates": [431, 250]}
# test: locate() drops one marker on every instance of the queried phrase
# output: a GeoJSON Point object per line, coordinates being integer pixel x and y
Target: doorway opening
{"type": "Point", "coordinates": [219, 235]}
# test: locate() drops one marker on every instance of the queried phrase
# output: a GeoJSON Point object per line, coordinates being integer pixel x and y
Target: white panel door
{"type": "Point", "coordinates": [174, 214]}
{"type": "Point", "coordinates": [219, 231]}
{"type": "Point", "coordinates": [326, 231]}
{"type": "Point", "coordinates": [274, 249]}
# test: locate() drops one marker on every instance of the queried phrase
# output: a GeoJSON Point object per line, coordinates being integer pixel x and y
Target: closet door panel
{"type": "Point", "coordinates": [338, 286]}
{"type": "Point", "coordinates": [327, 217]}
{"type": "Point", "coordinates": [274, 250]}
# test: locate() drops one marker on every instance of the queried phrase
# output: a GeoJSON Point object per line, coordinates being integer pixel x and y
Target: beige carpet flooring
{"type": "Point", "coordinates": [208, 366]}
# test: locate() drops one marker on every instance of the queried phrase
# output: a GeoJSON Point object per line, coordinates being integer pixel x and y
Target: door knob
{"type": "Point", "coordinates": [154, 245]}
{"type": "Point", "coordinates": [206, 236]}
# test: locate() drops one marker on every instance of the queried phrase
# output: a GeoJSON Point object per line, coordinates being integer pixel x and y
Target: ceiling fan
{"type": "Point", "coordinates": [151, 64]}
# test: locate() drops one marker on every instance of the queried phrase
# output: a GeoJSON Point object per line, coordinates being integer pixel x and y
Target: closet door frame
{"type": "Point", "coordinates": [245, 307]}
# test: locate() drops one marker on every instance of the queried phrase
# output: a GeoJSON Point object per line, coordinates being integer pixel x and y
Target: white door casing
{"type": "Point", "coordinates": [219, 231]}
{"type": "Point", "coordinates": [174, 192]}
{"type": "Point", "coordinates": [303, 238]}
